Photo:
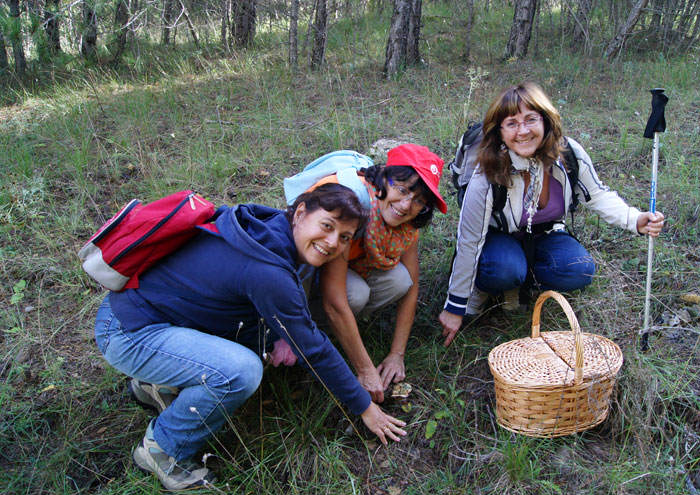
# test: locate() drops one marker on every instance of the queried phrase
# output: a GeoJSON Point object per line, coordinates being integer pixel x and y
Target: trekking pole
{"type": "Point", "coordinates": [655, 125]}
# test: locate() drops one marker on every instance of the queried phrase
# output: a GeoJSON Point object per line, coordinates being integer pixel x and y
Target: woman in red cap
{"type": "Point", "coordinates": [382, 265]}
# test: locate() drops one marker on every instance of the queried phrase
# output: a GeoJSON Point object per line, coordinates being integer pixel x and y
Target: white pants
{"type": "Point", "coordinates": [380, 289]}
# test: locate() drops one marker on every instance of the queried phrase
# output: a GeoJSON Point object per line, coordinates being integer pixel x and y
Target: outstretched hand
{"type": "Point", "coordinates": [372, 383]}
{"type": "Point", "coordinates": [650, 223]}
{"type": "Point", "coordinates": [392, 368]}
{"type": "Point", "coordinates": [383, 425]}
{"type": "Point", "coordinates": [451, 324]}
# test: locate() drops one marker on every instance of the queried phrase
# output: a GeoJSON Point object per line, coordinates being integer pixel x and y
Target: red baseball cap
{"type": "Point", "coordinates": [426, 164]}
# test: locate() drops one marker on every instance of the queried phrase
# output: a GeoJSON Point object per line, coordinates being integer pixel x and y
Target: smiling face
{"type": "Point", "coordinates": [523, 132]}
{"type": "Point", "coordinates": [320, 236]}
{"type": "Point", "coordinates": [401, 205]}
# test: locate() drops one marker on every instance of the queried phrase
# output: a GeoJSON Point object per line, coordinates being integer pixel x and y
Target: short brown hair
{"type": "Point", "coordinates": [332, 197]}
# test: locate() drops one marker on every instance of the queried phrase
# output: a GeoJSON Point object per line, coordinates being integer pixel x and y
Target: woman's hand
{"type": "Point", "coordinates": [282, 354]}
{"type": "Point", "coordinates": [451, 324]}
{"type": "Point", "coordinates": [381, 424]}
{"type": "Point", "coordinates": [650, 223]}
{"type": "Point", "coordinates": [372, 383]}
{"type": "Point", "coordinates": [392, 368]}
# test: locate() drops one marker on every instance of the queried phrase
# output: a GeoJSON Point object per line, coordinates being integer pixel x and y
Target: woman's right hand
{"type": "Point", "coordinates": [372, 383]}
{"type": "Point", "coordinates": [383, 425]}
{"type": "Point", "coordinates": [451, 324]}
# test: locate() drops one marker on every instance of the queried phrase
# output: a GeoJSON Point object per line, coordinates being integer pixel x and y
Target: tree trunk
{"type": "Point", "coordinates": [88, 44]}
{"type": "Point", "coordinates": [190, 25]}
{"type": "Point", "coordinates": [521, 29]}
{"type": "Point", "coordinates": [616, 43]}
{"type": "Point", "coordinates": [320, 34]}
{"type": "Point", "coordinates": [51, 26]}
{"type": "Point", "coordinates": [413, 33]}
{"type": "Point", "coordinates": [167, 22]}
{"type": "Point", "coordinates": [15, 35]}
{"type": "Point", "coordinates": [396, 44]}
{"type": "Point", "coordinates": [121, 27]}
{"type": "Point", "coordinates": [4, 65]}
{"type": "Point", "coordinates": [225, 22]}
{"type": "Point", "coordinates": [470, 26]}
{"type": "Point", "coordinates": [293, 36]}
{"type": "Point", "coordinates": [243, 22]}
{"type": "Point", "coordinates": [582, 20]}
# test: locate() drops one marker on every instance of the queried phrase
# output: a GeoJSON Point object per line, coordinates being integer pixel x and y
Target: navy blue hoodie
{"type": "Point", "coordinates": [235, 284]}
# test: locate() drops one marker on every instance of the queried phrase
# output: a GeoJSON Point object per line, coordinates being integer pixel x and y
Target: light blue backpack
{"type": "Point", "coordinates": [344, 163]}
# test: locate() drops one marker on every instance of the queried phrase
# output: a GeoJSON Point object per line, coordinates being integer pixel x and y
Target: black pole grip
{"type": "Point", "coordinates": [657, 121]}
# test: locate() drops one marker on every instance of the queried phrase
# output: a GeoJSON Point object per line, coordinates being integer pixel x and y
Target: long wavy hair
{"type": "Point", "coordinates": [493, 155]}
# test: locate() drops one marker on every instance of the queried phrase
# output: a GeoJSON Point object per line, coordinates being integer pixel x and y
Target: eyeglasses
{"type": "Point", "coordinates": [404, 193]}
{"type": "Point", "coordinates": [530, 122]}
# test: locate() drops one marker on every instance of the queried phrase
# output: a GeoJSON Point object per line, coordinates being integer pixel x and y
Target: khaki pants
{"type": "Point", "coordinates": [380, 289]}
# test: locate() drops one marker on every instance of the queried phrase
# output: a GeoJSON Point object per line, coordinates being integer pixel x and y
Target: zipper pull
{"type": "Point", "coordinates": [191, 201]}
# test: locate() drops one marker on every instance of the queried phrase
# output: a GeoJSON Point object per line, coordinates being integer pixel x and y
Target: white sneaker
{"type": "Point", "coordinates": [478, 302]}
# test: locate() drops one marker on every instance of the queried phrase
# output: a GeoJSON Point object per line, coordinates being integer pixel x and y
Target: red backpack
{"type": "Point", "coordinates": [139, 235]}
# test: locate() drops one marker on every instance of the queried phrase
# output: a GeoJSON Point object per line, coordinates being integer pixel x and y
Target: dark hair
{"type": "Point", "coordinates": [493, 159]}
{"type": "Point", "coordinates": [379, 175]}
{"type": "Point", "coordinates": [332, 197]}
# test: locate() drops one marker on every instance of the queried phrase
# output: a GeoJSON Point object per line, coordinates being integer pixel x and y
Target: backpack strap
{"type": "Point", "coordinates": [500, 194]}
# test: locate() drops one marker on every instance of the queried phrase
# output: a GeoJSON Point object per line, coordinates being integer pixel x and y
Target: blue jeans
{"type": "Point", "coordinates": [561, 263]}
{"type": "Point", "coordinates": [215, 376]}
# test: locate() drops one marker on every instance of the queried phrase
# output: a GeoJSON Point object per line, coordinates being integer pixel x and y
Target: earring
{"type": "Point", "coordinates": [503, 146]}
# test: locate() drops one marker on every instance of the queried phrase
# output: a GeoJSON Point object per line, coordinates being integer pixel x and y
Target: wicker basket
{"type": "Point", "coordinates": [554, 383]}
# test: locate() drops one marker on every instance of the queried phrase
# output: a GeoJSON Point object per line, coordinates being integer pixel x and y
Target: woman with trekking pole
{"type": "Point", "coordinates": [512, 235]}
{"type": "Point", "coordinates": [192, 334]}
{"type": "Point", "coordinates": [381, 267]}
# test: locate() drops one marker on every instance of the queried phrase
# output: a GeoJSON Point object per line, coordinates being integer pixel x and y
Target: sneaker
{"type": "Point", "coordinates": [156, 397]}
{"type": "Point", "coordinates": [478, 302]}
{"type": "Point", "coordinates": [174, 475]}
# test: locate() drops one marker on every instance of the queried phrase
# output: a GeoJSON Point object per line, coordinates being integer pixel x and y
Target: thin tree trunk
{"type": "Point", "coordinates": [293, 36]}
{"type": "Point", "coordinates": [167, 22]}
{"type": "Point", "coordinates": [618, 41]}
{"type": "Point", "coordinates": [51, 26]}
{"type": "Point", "coordinates": [582, 20]}
{"type": "Point", "coordinates": [193, 33]}
{"type": "Point", "coordinates": [470, 26]}
{"type": "Point", "coordinates": [413, 33]}
{"type": "Point", "coordinates": [88, 44]}
{"type": "Point", "coordinates": [396, 44]}
{"type": "Point", "coordinates": [521, 29]}
{"type": "Point", "coordinates": [4, 64]}
{"type": "Point", "coordinates": [16, 38]}
{"type": "Point", "coordinates": [121, 27]}
{"type": "Point", "coordinates": [320, 34]}
{"type": "Point", "coordinates": [225, 23]}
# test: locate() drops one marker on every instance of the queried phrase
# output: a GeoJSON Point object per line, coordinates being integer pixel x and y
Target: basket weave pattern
{"type": "Point", "coordinates": [554, 383]}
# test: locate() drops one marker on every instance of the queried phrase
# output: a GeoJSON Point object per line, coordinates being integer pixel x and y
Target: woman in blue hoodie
{"type": "Point", "coordinates": [202, 317]}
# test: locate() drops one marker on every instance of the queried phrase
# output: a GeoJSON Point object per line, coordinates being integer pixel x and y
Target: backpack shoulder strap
{"type": "Point", "coordinates": [500, 194]}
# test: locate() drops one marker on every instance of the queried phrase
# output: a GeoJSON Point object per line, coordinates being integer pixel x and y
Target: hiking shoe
{"type": "Point", "coordinates": [174, 475]}
{"type": "Point", "coordinates": [152, 396]}
{"type": "Point", "coordinates": [477, 303]}
{"type": "Point", "coordinates": [511, 301]}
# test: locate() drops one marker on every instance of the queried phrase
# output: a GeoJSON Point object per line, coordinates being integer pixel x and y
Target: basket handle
{"type": "Point", "coordinates": [573, 323]}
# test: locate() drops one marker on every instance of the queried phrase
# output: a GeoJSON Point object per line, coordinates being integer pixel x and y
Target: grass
{"type": "Point", "coordinates": [73, 152]}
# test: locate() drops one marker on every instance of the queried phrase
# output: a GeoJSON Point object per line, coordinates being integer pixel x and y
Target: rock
{"type": "Point", "coordinates": [381, 147]}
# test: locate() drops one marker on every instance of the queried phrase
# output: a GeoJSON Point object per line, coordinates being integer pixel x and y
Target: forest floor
{"type": "Point", "coordinates": [233, 128]}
